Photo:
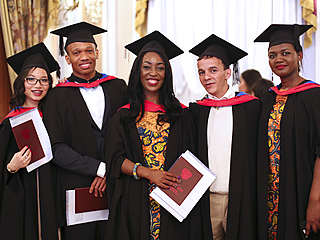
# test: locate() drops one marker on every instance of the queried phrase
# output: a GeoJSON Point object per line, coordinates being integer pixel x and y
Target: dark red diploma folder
{"type": "Point", "coordinates": [87, 202]}
{"type": "Point", "coordinates": [189, 178]}
{"type": "Point", "coordinates": [26, 135]}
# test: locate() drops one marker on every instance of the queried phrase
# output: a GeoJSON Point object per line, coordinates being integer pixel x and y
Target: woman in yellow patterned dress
{"type": "Point", "coordinates": [288, 155]}
{"type": "Point", "coordinates": [144, 139]}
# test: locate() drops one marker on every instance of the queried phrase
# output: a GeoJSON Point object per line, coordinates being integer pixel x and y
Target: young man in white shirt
{"type": "Point", "coordinates": [227, 125]}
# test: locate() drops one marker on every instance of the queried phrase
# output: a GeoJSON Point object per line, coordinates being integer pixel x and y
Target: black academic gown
{"type": "Point", "coordinates": [128, 198]}
{"type": "Point", "coordinates": [75, 140]}
{"type": "Point", "coordinates": [299, 134]}
{"type": "Point", "coordinates": [241, 219]}
{"type": "Point", "coordinates": [18, 196]}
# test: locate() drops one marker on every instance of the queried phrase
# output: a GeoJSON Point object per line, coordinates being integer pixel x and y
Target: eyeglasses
{"type": "Point", "coordinates": [33, 81]}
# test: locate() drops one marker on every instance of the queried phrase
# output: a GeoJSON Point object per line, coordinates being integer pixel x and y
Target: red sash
{"type": "Point", "coordinates": [226, 102]}
{"type": "Point", "coordinates": [151, 107]}
{"type": "Point", "coordinates": [299, 88]}
{"type": "Point", "coordinates": [86, 85]}
{"type": "Point", "coordinates": [18, 111]}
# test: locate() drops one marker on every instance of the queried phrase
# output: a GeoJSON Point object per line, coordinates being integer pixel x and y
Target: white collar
{"type": "Point", "coordinates": [229, 94]}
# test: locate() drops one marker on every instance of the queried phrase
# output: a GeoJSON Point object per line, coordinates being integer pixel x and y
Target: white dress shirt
{"type": "Point", "coordinates": [219, 139]}
{"type": "Point", "coordinates": [94, 98]}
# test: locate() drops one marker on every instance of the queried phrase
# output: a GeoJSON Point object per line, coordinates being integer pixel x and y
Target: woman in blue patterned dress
{"type": "Point", "coordinates": [144, 139]}
{"type": "Point", "coordinates": [288, 155]}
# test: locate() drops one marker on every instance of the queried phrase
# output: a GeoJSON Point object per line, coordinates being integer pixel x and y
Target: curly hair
{"type": "Point", "coordinates": [18, 98]}
{"type": "Point", "coordinates": [166, 95]}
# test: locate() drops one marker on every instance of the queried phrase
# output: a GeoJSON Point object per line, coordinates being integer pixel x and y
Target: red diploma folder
{"type": "Point", "coordinates": [26, 135]}
{"type": "Point", "coordinates": [195, 180]}
{"type": "Point", "coordinates": [189, 178]}
{"type": "Point", "coordinates": [87, 202]}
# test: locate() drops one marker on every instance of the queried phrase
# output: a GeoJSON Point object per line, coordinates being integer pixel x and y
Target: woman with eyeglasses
{"type": "Point", "coordinates": [26, 199]}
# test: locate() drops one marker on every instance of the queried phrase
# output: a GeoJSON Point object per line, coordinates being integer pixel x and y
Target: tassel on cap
{"type": "Point", "coordinates": [236, 74]}
{"type": "Point", "coordinates": [61, 46]}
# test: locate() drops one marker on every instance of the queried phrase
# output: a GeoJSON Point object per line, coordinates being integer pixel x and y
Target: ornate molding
{"type": "Point", "coordinates": [93, 9]}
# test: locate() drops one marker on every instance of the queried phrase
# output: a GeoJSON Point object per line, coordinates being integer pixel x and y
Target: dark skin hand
{"type": "Point", "coordinates": [160, 178]}
{"type": "Point", "coordinates": [98, 186]}
{"type": "Point", "coordinates": [313, 210]}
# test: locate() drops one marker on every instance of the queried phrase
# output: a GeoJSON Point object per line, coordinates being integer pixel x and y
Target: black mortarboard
{"type": "Point", "coordinates": [216, 47]}
{"type": "Point", "coordinates": [155, 42]}
{"type": "Point", "coordinates": [36, 56]}
{"type": "Point", "coordinates": [79, 32]}
{"type": "Point", "coordinates": [283, 33]}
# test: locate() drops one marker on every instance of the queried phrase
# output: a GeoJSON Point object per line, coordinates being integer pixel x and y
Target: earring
{"type": "Point", "coordinates": [272, 76]}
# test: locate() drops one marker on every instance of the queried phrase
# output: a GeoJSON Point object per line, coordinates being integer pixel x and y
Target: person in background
{"type": "Point", "coordinates": [144, 139]}
{"type": "Point", "coordinates": [289, 140]}
{"type": "Point", "coordinates": [27, 207]}
{"type": "Point", "coordinates": [227, 127]}
{"type": "Point", "coordinates": [247, 79]}
{"type": "Point", "coordinates": [76, 115]}
{"type": "Point", "coordinates": [261, 87]}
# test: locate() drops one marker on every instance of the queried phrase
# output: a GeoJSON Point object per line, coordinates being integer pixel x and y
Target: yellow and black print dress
{"type": "Point", "coordinates": [274, 165]}
{"type": "Point", "coordinates": [154, 139]}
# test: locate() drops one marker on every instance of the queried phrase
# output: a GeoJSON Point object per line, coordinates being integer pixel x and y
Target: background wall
{"type": "Point", "coordinates": [188, 22]}
{"type": "Point", "coordinates": [5, 88]}
{"type": "Point", "coordinates": [117, 16]}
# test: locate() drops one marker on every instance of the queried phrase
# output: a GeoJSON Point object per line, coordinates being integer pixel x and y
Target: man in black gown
{"type": "Point", "coordinates": [77, 115]}
{"type": "Point", "coordinates": [227, 126]}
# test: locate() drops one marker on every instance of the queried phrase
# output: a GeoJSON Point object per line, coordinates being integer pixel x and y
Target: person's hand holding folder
{"type": "Point", "coordinates": [98, 186]}
{"type": "Point", "coordinates": [19, 160]}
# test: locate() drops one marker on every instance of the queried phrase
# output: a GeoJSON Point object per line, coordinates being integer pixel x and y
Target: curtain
{"type": "Point", "coordinates": [187, 23]}
{"type": "Point", "coordinates": [141, 16]}
{"type": "Point", "coordinates": [5, 88]}
{"type": "Point", "coordinates": [26, 23]}
{"type": "Point", "coordinates": [30, 20]}
{"type": "Point", "coordinates": [309, 8]}
{"type": "Point", "coordinates": [7, 38]}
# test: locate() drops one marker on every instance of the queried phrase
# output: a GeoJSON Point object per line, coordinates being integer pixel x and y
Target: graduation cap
{"type": "Point", "coordinates": [79, 32]}
{"type": "Point", "coordinates": [155, 42]}
{"type": "Point", "coordinates": [283, 33]}
{"type": "Point", "coordinates": [217, 47]}
{"type": "Point", "coordinates": [36, 56]}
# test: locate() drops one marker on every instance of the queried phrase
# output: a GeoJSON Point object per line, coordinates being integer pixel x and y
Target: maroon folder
{"type": "Point", "coordinates": [189, 178]}
{"type": "Point", "coordinates": [87, 202]}
{"type": "Point", "coordinates": [26, 135]}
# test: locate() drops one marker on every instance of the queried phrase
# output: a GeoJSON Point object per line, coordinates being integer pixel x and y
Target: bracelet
{"type": "Point", "coordinates": [10, 171]}
{"type": "Point", "coordinates": [134, 172]}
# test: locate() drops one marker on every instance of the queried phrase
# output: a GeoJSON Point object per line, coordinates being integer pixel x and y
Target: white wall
{"type": "Point", "coordinates": [188, 22]}
{"type": "Point", "coordinates": [118, 19]}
